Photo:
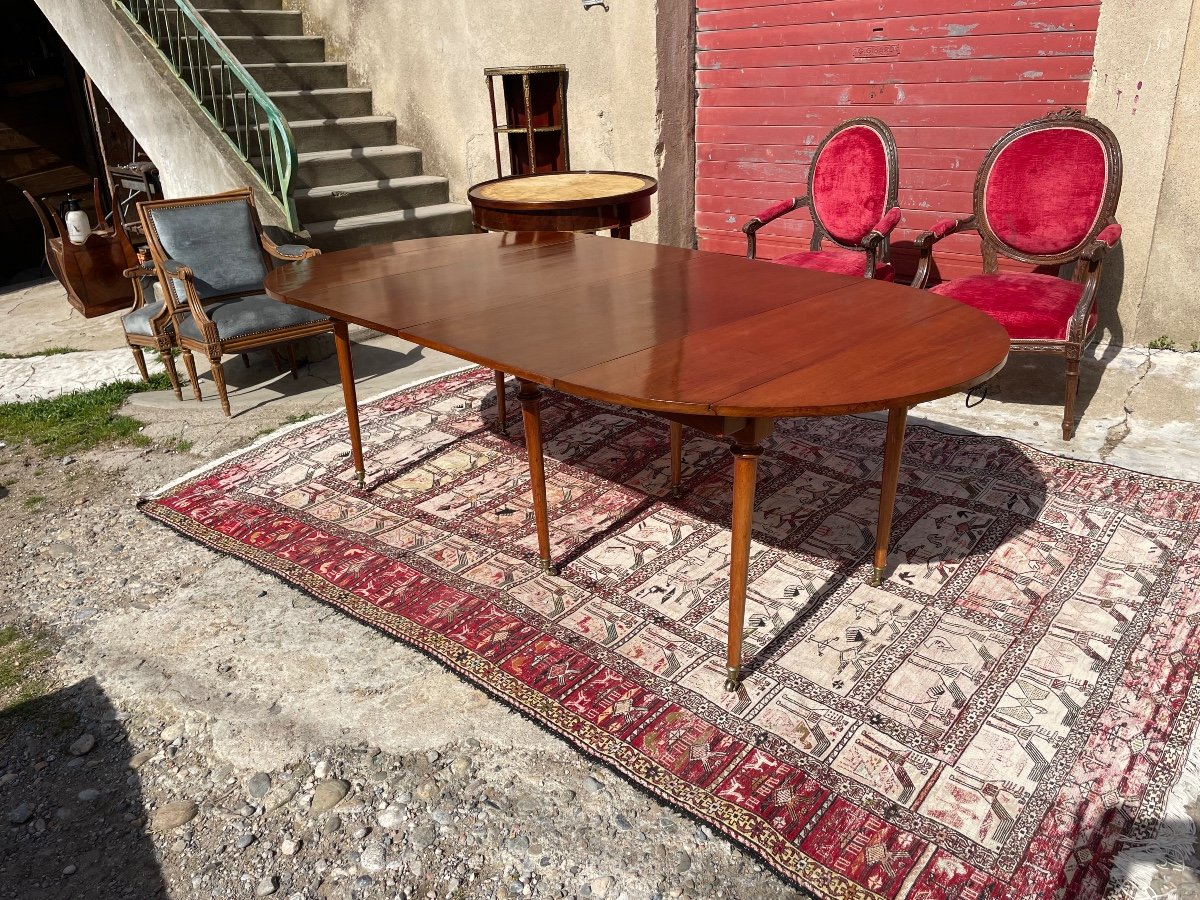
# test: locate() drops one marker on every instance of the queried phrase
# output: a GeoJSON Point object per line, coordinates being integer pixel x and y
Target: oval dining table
{"type": "Point", "coordinates": [721, 344]}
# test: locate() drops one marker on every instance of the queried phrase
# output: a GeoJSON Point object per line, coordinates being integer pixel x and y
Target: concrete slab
{"type": "Point", "coordinates": [37, 317]}
{"type": "Point", "coordinates": [1137, 408]}
{"type": "Point", "coordinates": [38, 377]}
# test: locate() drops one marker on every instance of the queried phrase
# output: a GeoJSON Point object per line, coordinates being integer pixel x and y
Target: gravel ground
{"type": "Point", "coordinates": [200, 745]}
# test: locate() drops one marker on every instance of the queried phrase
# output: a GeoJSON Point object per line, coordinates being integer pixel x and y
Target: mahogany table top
{"type": "Point", "coordinates": [658, 328]}
{"type": "Point", "coordinates": [552, 190]}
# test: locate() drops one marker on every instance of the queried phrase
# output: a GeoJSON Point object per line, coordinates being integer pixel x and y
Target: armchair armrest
{"type": "Point", "coordinates": [943, 229]}
{"type": "Point", "coordinates": [288, 252]}
{"type": "Point", "coordinates": [1105, 241]}
{"type": "Point", "coordinates": [770, 214]}
{"type": "Point", "coordinates": [139, 275]}
{"type": "Point", "coordinates": [175, 269]}
{"type": "Point", "coordinates": [927, 239]}
{"type": "Point", "coordinates": [184, 276]}
{"type": "Point", "coordinates": [886, 226]}
{"type": "Point", "coordinates": [144, 270]}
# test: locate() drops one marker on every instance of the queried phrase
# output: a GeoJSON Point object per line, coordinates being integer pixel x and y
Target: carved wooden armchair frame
{"type": "Point", "coordinates": [1087, 248]}
{"type": "Point", "coordinates": [874, 242]}
{"type": "Point", "coordinates": [194, 300]}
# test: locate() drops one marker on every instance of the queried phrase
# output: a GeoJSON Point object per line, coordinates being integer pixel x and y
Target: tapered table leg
{"type": "Point", "coordinates": [341, 340]}
{"type": "Point", "coordinates": [676, 458]}
{"type": "Point", "coordinates": [892, 451]}
{"type": "Point", "coordinates": [745, 473]}
{"type": "Point", "coordinates": [501, 403]}
{"type": "Point", "coordinates": [531, 403]}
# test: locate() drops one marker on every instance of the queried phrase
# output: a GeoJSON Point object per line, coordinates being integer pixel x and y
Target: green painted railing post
{"type": "Point", "coordinates": [228, 94]}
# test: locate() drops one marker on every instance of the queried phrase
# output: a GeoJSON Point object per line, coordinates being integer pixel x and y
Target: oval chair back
{"type": "Point", "coordinates": [854, 179]}
{"type": "Point", "coordinates": [1047, 189]}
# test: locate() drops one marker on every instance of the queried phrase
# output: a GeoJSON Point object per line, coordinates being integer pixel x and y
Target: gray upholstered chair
{"type": "Point", "coordinates": [211, 256]}
{"type": "Point", "coordinates": [148, 325]}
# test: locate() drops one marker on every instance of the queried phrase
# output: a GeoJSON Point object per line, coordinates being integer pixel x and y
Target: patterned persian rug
{"type": "Point", "coordinates": [1010, 715]}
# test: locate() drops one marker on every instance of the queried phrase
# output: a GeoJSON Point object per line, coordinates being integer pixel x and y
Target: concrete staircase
{"type": "Point", "coordinates": [355, 184]}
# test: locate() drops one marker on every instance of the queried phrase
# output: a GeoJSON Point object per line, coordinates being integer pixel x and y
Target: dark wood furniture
{"type": "Point", "coordinates": [720, 344]}
{"type": "Point", "coordinates": [534, 129]}
{"type": "Point", "coordinates": [92, 273]}
{"type": "Point", "coordinates": [563, 201]}
{"type": "Point", "coordinates": [210, 256]}
{"type": "Point", "coordinates": [1046, 194]}
{"type": "Point", "coordinates": [853, 183]}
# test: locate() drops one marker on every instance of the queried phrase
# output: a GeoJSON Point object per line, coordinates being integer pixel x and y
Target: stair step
{"type": "Point", "coordinates": [254, 49]}
{"type": "Point", "coordinates": [272, 77]}
{"type": "Point", "coordinates": [274, 22]}
{"type": "Point", "coordinates": [336, 167]}
{"type": "Point", "coordinates": [342, 134]}
{"type": "Point", "coordinates": [367, 197]}
{"type": "Point", "coordinates": [332, 103]}
{"type": "Point", "coordinates": [399, 225]}
{"type": "Point", "coordinates": [240, 4]}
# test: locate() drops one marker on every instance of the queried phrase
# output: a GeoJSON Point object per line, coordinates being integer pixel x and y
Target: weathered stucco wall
{"type": "Point", "coordinates": [424, 60]}
{"type": "Point", "coordinates": [192, 157]}
{"type": "Point", "coordinates": [1146, 87]}
{"type": "Point", "coordinates": [1171, 298]}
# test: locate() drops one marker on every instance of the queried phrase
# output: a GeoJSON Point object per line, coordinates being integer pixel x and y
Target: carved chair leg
{"type": "Point", "coordinates": [1072, 389]}
{"type": "Point", "coordinates": [190, 364]}
{"type": "Point", "coordinates": [278, 360]}
{"type": "Point", "coordinates": [246, 360]}
{"type": "Point", "coordinates": [291, 352]}
{"type": "Point", "coordinates": [218, 373]}
{"type": "Point", "coordinates": [139, 357]}
{"type": "Point", "coordinates": [168, 362]}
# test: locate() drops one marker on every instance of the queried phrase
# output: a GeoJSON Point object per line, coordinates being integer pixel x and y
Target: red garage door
{"type": "Point", "coordinates": [948, 76]}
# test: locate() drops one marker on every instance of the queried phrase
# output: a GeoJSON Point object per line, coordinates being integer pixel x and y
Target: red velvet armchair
{"type": "Point", "coordinates": [1046, 194]}
{"type": "Point", "coordinates": [852, 187]}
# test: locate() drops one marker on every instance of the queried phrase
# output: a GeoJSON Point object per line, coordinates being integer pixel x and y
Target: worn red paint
{"type": "Point", "coordinates": [949, 77]}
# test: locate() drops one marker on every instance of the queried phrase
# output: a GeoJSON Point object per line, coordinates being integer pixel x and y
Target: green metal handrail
{"type": "Point", "coordinates": [227, 93]}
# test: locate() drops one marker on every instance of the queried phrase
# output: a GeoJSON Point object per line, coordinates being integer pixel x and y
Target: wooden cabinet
{"type": "Point", "coordinates": [534, 128]}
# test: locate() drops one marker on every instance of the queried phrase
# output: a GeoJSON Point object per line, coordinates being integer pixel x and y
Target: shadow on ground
{"type": "Point", "coordinates": [73, 825]}
{"type": "Point", "coordinates": [259, 383]}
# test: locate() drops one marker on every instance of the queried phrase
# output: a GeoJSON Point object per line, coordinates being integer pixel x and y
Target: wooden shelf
{"type": "Point", "coordinates": [535, 118]}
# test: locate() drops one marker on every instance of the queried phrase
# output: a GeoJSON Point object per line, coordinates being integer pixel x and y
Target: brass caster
{"type": "Point", "coordinates": [361, 478]}
{"type": "Point", "coordinates": [549, 568]}
{"type": "Point", "coordinates": [733, 679]}
{"type": "Point", "coordinates": [676, 492]}
{"type": "Point", "coordinates": [877, 577]}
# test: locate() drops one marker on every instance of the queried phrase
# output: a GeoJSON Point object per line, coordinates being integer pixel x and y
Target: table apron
{"type": "Point", "coordinates": [585, 217]}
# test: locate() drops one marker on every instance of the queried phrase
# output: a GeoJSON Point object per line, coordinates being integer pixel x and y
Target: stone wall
{"type": "Point", "coordinates": [424, 60]}
{"type": "Point", "coordinates": [1146, 87]}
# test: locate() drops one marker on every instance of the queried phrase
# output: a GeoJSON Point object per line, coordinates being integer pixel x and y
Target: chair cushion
{"type": "Point", "coordinates": [255, 314]}
{"type": "Point", "coordinates": [1029, 306]}
{"type": "Point", "coordinates": [1044, 190]}
{"type": "Point", "coordinates": [138, 321]}
{"type": "Point", "coordinates": [217, 241]}
{"type": "Point", "coordinates": [836, 260]}
{"type": "Point", "coordinates": [850, 183]}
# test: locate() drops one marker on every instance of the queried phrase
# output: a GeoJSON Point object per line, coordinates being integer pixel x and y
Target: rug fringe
{"type": "Point", "coordinates": [1135, 866]}
{"type": "Point", "coordinates": [286, 429]}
